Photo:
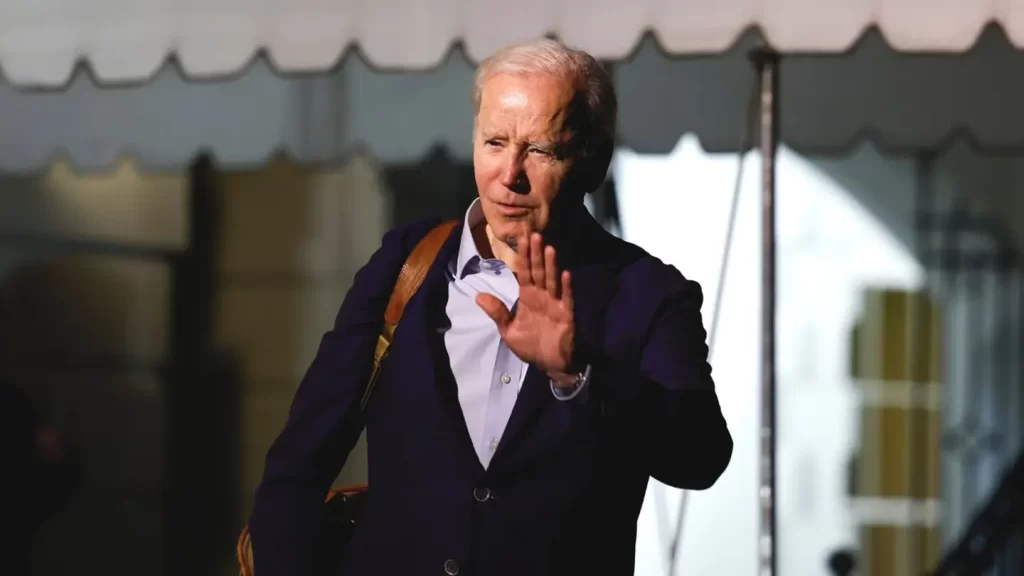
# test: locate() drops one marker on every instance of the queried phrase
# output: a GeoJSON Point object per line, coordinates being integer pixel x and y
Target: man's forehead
{"type": "Point", "coordinates": [520, 89]}
{"type": "Point", "coordinates": [537, 104]}
{"type": "Point", "coordinates": [512, 98]}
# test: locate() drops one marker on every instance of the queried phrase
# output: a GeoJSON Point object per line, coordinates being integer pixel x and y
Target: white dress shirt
{"type": "Point", "coordinates": [489, 376]}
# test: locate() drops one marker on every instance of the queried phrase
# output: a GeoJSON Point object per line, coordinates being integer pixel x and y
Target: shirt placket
{"type": "Point", "coordinates": [501, 399]}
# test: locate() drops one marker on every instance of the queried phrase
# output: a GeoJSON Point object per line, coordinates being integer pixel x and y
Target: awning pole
{"type": "Point", "coordinates": [767, 65]}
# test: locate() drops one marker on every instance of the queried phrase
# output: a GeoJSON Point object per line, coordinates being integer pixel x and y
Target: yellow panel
{"type": "Point", "coordinates": [884, 339]}
{"type": "Point", "coordinates": [886, 356]}
{"type": "Point", "coordinates": [878, 551]}
{"type": "Point", "coordinates": [897, 550]}
{"type": "Point", "coordinates": [886, 458]}
{"type": "Point", "coordinates": [894, 344]}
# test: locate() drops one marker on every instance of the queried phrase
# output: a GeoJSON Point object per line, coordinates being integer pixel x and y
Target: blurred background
{"type": "Point", "coordinates": [186, 190]}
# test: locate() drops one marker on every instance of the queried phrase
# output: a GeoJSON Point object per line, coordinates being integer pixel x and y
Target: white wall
{"type": "Point", "coordinates": [830, 248]}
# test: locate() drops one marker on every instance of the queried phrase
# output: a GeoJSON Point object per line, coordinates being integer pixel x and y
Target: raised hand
{"type": "Point", "coordinates": [542, 330]}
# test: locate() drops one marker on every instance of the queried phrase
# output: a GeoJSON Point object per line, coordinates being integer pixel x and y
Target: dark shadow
{"type": "Point", "coordinates": [71, 350]}
{"type": "Point", "coordinates": [201, 507]}
{"type": "Point", "coordinates": [439, 186]}
{"type": "Point", "coordinates": [43, 472]}
{"type": "Point", "coordinates": [606, 205]}
{"type": "Point", "coordinates": [110, 343]}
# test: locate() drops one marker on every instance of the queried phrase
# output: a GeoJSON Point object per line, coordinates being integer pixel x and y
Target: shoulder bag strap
{"type": "Point", "coordinates": [409, 279]}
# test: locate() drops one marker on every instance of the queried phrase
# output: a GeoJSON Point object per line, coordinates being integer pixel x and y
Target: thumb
{"type": "Point", "coordinates": [495, 309]}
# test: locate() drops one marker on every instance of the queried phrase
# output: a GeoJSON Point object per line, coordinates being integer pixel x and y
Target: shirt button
{"type": "Point", "coordinates": [481, 494]}
{"type": "Point", "coordinates": [494, 444]}
{"type": "Point", "coordinates": [505, 378]}
{"type": "Point", "coordinates": [451, 567]}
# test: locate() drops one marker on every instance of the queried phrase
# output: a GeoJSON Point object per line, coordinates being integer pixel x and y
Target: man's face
{"type": "Point", "coordinates": [522, 150]}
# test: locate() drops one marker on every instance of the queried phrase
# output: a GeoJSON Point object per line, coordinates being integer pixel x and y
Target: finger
{"type": "Point", "coordinates": [537, 260]}
{"type": "Point", "coordinates": [550, 271]}
{"type": "Point", "coordinates": [567, 290]}
{"type": "Point", "coordinates": [523, 250]}
{"type": "Point", "coordinates": [495, 309]}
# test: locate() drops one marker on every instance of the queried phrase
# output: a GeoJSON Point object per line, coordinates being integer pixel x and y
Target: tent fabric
{"type": "Point", "coordinates": [129, 40]}
{"type": "Point", "coordinates": [828, 104]}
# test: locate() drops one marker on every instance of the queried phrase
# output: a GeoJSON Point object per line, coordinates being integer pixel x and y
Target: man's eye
{"type": "Point", "coordinates": [540, 151]}
{"type": "Point", "coordinates": [493, 143]}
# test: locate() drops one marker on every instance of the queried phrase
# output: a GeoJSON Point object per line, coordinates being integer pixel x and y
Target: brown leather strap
{"type": "Point", "coordinates": [409, 279]}
{"type": "Point", "coordinates": [415, 270]}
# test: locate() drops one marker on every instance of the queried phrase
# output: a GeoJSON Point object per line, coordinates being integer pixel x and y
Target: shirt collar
{"type": "Point", "coordinates": [467, 261]}
{"type": "Point", "coordinates": [468, 253]}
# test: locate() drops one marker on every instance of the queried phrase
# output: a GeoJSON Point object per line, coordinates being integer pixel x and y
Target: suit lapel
{"type": "Point", "coordinates": [434, 292]}
{"type": "Point", "coordinates": [534, 395]}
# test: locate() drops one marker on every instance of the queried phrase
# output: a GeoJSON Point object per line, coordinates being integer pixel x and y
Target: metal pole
{"type": "Point", "coordinates": [767, 63]}
{"type": "Point", "coordinates": [921, 361]}
{"type": "Point", "coordinates": [746, 143]}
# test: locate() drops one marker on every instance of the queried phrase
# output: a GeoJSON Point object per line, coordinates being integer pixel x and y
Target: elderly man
{"type": "Point", "coordinates": [542, 373]}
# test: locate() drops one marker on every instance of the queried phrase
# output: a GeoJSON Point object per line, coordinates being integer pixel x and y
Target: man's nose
{"type": "Point", "coordinates": [513, 174]}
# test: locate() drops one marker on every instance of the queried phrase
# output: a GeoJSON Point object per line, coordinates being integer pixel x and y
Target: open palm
{"type": "Point", "coordinates": [541, 331]}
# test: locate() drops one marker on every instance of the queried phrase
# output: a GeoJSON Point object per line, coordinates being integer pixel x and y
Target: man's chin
{"type": "Point", "coordinates": [511, 241]}
{"type": "Point", "coordinates": [516, 229]}
{"type": "Point", "coordinates": [503, 225]}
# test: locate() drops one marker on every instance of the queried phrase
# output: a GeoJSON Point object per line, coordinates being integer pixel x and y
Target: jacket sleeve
{"type": "Point", "coordinates": [324, 421]}
{"type": "Point", "coordinates": [669, 401]}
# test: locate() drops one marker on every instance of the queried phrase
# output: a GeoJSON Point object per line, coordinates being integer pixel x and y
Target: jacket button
{"type": "Point", "coordinates": [481, 494]}
{"type": "Point", "coordinates": [451, 567]}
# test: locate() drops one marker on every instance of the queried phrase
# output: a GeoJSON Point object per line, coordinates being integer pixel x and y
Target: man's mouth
{"type": "Point", "coordinates": [512, 209]}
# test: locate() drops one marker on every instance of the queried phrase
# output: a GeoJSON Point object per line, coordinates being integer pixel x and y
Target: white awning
{"type": "Point", "coordinates": [129, 40]}
{"type": "Point", "coordinates": [828, 103]}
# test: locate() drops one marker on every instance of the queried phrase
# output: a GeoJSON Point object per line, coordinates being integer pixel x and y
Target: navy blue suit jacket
{"type": "Point", "coordinates": [567, 481]}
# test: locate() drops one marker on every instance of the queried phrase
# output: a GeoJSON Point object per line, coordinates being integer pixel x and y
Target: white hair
{"type": "Point", "coordinates": [581, 70]}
